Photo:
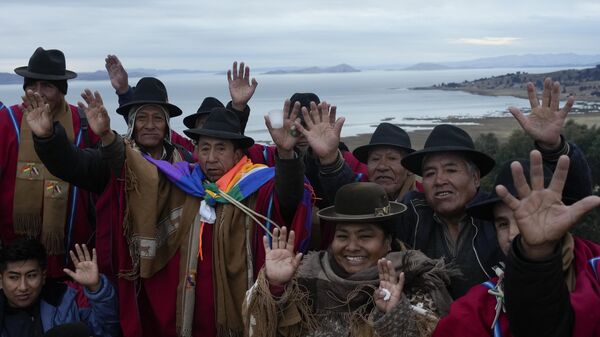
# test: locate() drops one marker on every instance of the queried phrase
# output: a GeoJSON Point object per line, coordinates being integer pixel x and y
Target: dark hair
{"type": "Point", "coordinates": [61, 85]}
{"type": "Point", "coordinates": [22, 249]}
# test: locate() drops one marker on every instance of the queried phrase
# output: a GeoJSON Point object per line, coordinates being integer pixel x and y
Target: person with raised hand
{"type": "Point", "coordinates": [86, 268]}
{"type": "Point", "coordinates": [547, 286]}
{"type": "Point", "coordinates": [388, 145]}
{"type": "Point", "coordinates": [551, 276]}
{"type": "Point", "coordinates": [170, 268]}
{"type": "Point", "coordinates": [241, 88]}
{"type": "Point", "coordinates": [451, 168]}
{"type": "Point", "coordinates": [33, 201]}
{"type": "Point", "coordinates": [366, 283]}
{"type": "Point", "coordinates": [31, 304]}
{"type": "Point", "coordinates": [544, 124]}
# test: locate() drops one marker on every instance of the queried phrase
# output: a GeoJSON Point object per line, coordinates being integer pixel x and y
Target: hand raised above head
{"type": "Point", "coordinates": [240, 87]}
{"type": "Point", "coordinates": [280, 260]}
{"type": "Point", "coordinates": [322, 130]}
{"type": "Point", "coordinates": [546, 121]}
{"type": "Point", "coordinates": [38, 114]}
{"type": "Point", "coordinates": [86, 268]}
{"type": "Point", "coordinates": [286, 137]}
{"type": "Point", "coordinates": [539, 212]}
{"type": "Point", "coordinates": [119, 79]}
{"type": "Point", "coordinates": [97, 116]}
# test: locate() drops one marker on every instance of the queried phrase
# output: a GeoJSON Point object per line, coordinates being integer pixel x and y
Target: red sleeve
{"type": "Point", "coordinates": [471, 316]}
{"type": "Point", "coordinates": [183, 141]}
{"type": "Point", "coordinates": [356, 166]}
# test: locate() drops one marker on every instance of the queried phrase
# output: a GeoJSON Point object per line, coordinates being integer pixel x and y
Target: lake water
{"type": "Point", "coordinates": [364, 98]}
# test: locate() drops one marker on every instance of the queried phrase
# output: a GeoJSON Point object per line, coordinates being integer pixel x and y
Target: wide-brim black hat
{"type": "Point", "coordinates": [149, 90]}
{"type": "Point", "coordinates": [223, 124]}
{"type": "Point", "coordinates": [46, 65]}
{"type": "Point", "coordinates": [74, 329]}
{"type": "Point", "coordinates": [448, 138]}
{"type": "Point", "coordinates": [361, 202]}
{"type": "Point", "coordinates": [385, 134]}
{"type": "Point", "coordinates": [484, 209]}
{"type": "Point", "coordinates": [207, 105]}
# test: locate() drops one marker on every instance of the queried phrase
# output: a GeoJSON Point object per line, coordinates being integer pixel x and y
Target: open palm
{"type": "Point", "coordinates": [240, 87]}
{"type": "Point", "coordinates": [281, 262]}
{"type": "Point", "coordinates": [95, 112]}
{"type": "Point", "coordinates": [86, 268]}
{"type": "Point", "coordinates": [545, 122]}
{"type": "Point", "coordinates": [322, 130]}
{"type": "Point", "coordinates": [38, 114]}
{"type": "Point", "coordinates": [285, 137]}
{"type": "Point", "coordinates": [541, 216]}
{"type": "Point", "coordinates": [391, 282]}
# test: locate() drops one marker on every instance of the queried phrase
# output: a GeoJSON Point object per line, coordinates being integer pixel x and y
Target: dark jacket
{"type": "Point", "coordinates": [541, 285]}
{"type": "Point", "coordinates": [480, 252]}
{"type": "Point", "coordinates": [418, 228]}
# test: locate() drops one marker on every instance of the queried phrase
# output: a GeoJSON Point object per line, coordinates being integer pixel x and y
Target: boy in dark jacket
{"type": "Point", "coordinates": [31, 305]}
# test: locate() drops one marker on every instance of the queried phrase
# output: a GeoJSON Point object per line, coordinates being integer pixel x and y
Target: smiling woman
{"type": "Point", "coordinates": [358, 287]}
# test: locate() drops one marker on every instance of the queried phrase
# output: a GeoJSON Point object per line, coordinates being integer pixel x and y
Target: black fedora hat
{"type": "Point", "coordinates": [75, 329]}
{"type": "Point", "coordinates": [304, 98]}
{"type": "Point", "coordinates": [223, 124]}
{"type": "Point", "coordinates": [385, 134]}
{"type": "Point", "coordinates": [361, 202]}
{"type": "Point", "coordinates": [149, 90]}
{"type": "Point", "coordinates": [448, 138]}
{"type": "Point", "coordinates": [484, 209]}
{"type": "Point", "coordinates": [46, 65]}
{"type": "Point", "coordinates": [207, 104]}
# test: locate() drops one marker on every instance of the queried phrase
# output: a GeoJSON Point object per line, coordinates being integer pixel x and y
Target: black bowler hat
{"type": "Point", "coordinates": [207, 104]}
{"type": "Point", "coordinates": [361, 202]}
{"type": "Point", "coordinates": [149, 90]}
{"type": "Point", "coordinates": [223, 124]}
{"type": "Point", "coordinates": [448, 138]}
{"type": "Point", "coordinates": [304, 98]}
{"type": "Point", "coordinates": [386, 134]}
{"type": "Point", "coordinates": [46, 65]}
{"type": "Point", "coordinates": [76, 329]}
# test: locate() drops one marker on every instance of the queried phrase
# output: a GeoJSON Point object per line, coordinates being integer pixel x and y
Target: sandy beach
{"type": "Point", "coordinates": [501, 126]}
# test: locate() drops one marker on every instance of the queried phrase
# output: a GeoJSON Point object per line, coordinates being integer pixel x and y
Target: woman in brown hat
{"type": "Point", "coordinates": [359, 286]}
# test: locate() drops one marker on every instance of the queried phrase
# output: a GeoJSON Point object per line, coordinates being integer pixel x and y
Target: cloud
{"type": "Point", "coordinates": [489, 41]}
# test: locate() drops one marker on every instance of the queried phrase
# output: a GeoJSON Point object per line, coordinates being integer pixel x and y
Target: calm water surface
{"type": "Point", "coordinates": [365, 98]}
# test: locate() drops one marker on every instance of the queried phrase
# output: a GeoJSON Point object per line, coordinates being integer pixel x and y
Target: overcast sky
{"type": "Point", "coordinates": [210, 34]}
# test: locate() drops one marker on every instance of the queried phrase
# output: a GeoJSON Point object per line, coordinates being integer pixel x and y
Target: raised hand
{"type": "Point", "coordinates": [280, 260]}
{"type": "Point", "coordinates": [285, 137]}
{"type": "Point", "coordinates": [86, 268]}
{"type": "Point", "coordinates": [322, 130]}
{"type": "Point", "coordinates": [38, 114]}
{"type": "Point", "coordinates": [117, 74]}
{"type": "Point", "coordinates": [545, 122]}
{"type": "Point", "coordinates": [240, 88]}
{"type": "Point", "coordinates": [97, 115]}
{"type": "Point", "coordinates": [541, 216]}
{"type": "Point", "coordinates": [387, 299]}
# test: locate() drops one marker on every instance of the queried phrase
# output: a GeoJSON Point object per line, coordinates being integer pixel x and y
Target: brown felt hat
{"type": "Point", "coordinates": [361, 202]}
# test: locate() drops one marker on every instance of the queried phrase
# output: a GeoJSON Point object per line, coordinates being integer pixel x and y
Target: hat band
{"type": "Point", "coordinates": [377, 212]}
{"type": "Point", "coordinates": [381, 211]}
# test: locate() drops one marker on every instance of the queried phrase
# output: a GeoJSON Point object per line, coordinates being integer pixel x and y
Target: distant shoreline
{"type": "Point", "coordinates": [501, 126]}
{"type": "Point", "coordinates": [514, 92]}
